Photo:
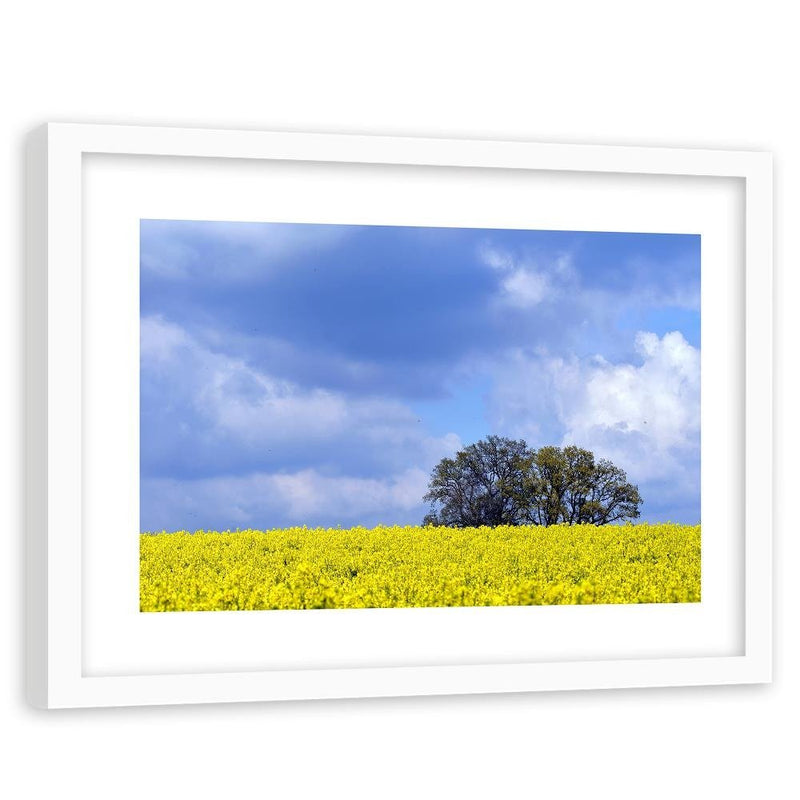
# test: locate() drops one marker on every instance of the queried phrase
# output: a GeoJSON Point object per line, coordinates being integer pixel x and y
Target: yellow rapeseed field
{"type": "Point", "coordinates": [390, 567]}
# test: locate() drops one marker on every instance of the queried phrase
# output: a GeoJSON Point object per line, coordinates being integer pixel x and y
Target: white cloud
{"type": "Point", "coordinates": [525, 289]}
{"type": "Point", "coordinates": [240, 400]}
{"type": "Point", "coordinates": [645, 417]}
{"type": "Point", "coordinates": [199, 249]}
{"type": "Point", "coordinates": [159, 340]}
{"type": "Point", "coordinates": [660, 399]}
{"type": "Point", "coordinates": [527, 280]}
{"type": "Point", "coordinates": [171, 259]}
{"type": "Point", "coordinates": [308, 493]}
{"type": "Point", "coordinates": [303, 497]}
{"type": "Point", "coordinates": [233, 409]}
{"type": "Point", "coordinates": [524, 283]}
{"type": "Point", "coordinates": [496, 258]}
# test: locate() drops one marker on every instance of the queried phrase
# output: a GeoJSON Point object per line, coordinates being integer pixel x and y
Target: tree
{"type": "Point", "coordinates": [480, 486]}
{"type": "Point", "coordinates": [568, 485]}
{"type": "Point", "coordinates": [500, 481]}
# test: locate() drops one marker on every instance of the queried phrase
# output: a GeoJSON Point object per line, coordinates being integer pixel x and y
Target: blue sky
{"type": "Point", "coordinates": [315, 374]}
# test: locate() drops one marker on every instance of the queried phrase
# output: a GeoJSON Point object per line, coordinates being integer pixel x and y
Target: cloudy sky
{"type": "Point", "coordinates": [315, 374]}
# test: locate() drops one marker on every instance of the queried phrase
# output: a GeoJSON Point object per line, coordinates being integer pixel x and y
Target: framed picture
{"type": "Point", "coordinates": [324, 416]}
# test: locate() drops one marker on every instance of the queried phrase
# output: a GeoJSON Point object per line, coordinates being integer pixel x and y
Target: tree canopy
{"type": "Point", "coordinates": [501, 481]}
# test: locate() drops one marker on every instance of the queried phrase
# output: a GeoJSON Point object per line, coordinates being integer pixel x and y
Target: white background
{"type": "Point", "coordinates": [686, 74]}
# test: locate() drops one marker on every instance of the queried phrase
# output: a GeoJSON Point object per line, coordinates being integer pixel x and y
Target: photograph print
{"type": "Point", "coordinates": [362, 416]}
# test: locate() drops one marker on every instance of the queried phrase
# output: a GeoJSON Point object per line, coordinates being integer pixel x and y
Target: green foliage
{"type": "Point", "coordinates": [500, 481]}
{"type": "Point", "coordinates": [482, 485]}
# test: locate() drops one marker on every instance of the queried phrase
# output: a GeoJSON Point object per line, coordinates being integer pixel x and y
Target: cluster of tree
{"type": "Point", "coordinates": [500, 481]}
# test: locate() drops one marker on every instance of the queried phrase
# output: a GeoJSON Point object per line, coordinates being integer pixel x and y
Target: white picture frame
{"type": "Point", "coordinates": [67, 569]}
